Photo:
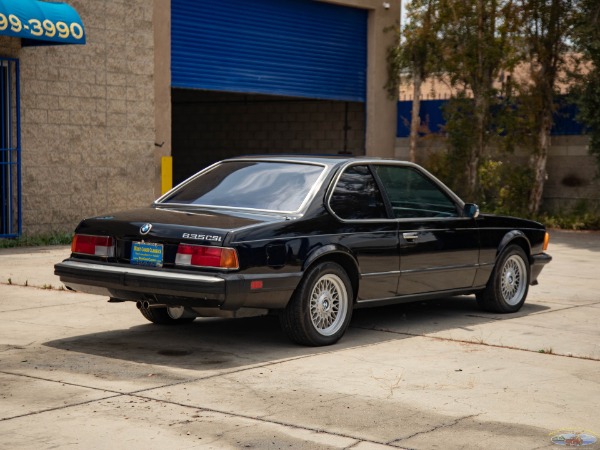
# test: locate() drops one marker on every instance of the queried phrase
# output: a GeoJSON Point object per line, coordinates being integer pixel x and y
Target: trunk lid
{"type": "Point", "coordinates": [170, 227]}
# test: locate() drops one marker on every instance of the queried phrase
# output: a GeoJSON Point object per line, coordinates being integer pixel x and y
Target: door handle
{"type": "Point", "coordinates": [410, 236]}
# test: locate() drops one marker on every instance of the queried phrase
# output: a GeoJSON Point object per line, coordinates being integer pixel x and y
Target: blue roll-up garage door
{"type": "Point", "coordinates": [300, 48]}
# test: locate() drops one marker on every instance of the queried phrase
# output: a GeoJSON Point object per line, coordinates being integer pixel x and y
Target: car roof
{"type": "Point", "coordinates": [327, 159]}
{"type": "Point", "coordinates": [334, 161]}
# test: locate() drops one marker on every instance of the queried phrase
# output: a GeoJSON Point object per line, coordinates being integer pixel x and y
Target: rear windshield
{"type": "Point", "coordinates": [268, 186]}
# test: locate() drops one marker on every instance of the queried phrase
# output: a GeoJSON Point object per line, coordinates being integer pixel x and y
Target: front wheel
{"type": "Point", "coordinates": [507, 288]}
{"type": "Point", "coordinates": [320, 309]}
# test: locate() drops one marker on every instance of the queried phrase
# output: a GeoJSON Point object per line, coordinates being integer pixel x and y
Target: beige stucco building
{"type": "Point", "coordinates": [96, 119]}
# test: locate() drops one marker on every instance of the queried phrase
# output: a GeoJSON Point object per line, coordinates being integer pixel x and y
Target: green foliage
{"type": "Point", "coordinates": [503, 188]}
{"type": "Point", "coordinates": [436, 162]}
{"type": "Point", "coordinates": [581, 217]}
{"type": "Point", "coordinates": [417, 52]}
{"type": "Point", "coordinates": [479, 44]}
{"type": "Point", "coordinates": [589, 110]}
{"type": "Point", "coordinates": [587, 39]}
{"type": "Point", "coordinates": [547, 33]}
{"type": "Point", "coordinates": [460, 139]}
{"type": "Point", "coordinates": [479, 41]}
{"type": "Point", "coordinates": [509, 127]}
{"type": "Point", "coordinates": [482, 42]}
{"type": "Point", "coordinates": [38, 240]}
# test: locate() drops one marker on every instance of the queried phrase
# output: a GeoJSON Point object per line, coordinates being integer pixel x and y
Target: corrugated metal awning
{"type": "Point", "coordinates": [41, 23]}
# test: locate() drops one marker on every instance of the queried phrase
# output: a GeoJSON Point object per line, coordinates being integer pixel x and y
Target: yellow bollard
{"type": "Point", "coordinates": [166, 170]}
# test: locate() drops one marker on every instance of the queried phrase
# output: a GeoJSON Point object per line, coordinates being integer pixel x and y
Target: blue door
{"type": "Point", "coordinates": [297, 48]}
{"type": "Point", "coordinates": [10, 149]}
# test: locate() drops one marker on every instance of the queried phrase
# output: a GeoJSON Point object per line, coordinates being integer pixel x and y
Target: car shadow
{"type": "Point", "coordinates": [432, 316]}
{"type": "Point", "coordinates": [210, 344]}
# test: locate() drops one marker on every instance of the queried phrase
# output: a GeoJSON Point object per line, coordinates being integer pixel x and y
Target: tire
{"type": "Point", "coordinates": [508, 286]}
{"type": "Point", "coordinates": [161, 316]}
{"type": "Point", "coordinates": [321, 307]}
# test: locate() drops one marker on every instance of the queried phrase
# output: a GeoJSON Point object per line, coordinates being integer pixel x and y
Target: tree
{"type": "Point", "coordinates": [587, 40]}
{"type": "Point", "coordinates": [417, 57]}
{"type": "Point", "coordinates": [546, 32]}
{"type": "Point", "coordinates": [477, 47]}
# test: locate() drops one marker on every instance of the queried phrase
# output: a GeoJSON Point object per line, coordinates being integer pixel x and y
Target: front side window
{"type": "Point", "coordinates": [413, 195]}
{"type": "Point", "coordinates": [262, 185]}
{"type": "Point", "coordinates": [356, 196]}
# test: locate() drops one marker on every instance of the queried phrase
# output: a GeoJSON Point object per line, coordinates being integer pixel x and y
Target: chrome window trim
{"type": "Point", "coordinates": [309, 236]}
{"type": "Point", "coordinates": [383, 162]}
{"type": "Point", "coordinates": [380, 274]}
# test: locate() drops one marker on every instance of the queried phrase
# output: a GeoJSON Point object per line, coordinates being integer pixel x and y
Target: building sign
{"type": "Point", "coordinates": [35, 21]}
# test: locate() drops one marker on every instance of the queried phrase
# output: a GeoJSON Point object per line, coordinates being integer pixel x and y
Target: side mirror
{"type": "Point", "coordinates": [471, 210]}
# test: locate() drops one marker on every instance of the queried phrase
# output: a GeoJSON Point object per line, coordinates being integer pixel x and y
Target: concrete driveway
{"type": "Point", "coordinates": [76, 371]}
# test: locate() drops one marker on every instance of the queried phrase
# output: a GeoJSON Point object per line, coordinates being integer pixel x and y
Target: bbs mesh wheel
{"type": "Point", "coordinates": [320, 309]}
{"type": "Point", "coordinates": [508, 286]}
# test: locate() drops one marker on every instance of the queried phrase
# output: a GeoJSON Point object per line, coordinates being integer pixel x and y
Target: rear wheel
{"type": "Point", "coordinates": [320, 309]}
{"type": "Point", "coordinates": [165, 316]}
{"type": "Point", "coordinates": [507, 288]}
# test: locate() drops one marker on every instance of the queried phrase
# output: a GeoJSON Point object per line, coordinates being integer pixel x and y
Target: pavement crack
{"type": "Point", "coordinates": [566, 308]}
{"type": "Point", "coordinates": [431, 430]}
{"type": "Point", "coordinates": [477, 342]}
{"type": "Point", "coordinates": [43, 287]}
{"type": "Point", "coordinates": [241, 370]}
{"type": "Point", "coordinates": [58, 408]}
{"type": "Point", "coordinates": [266, 420]}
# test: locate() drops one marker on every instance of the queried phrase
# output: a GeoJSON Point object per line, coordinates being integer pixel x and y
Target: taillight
{"type": "Point", "coordinates": [546, 242]}
{"type": "Point", "coordinates": [93, 245]}
{"type": "Point", "coordinates": [202, 256]}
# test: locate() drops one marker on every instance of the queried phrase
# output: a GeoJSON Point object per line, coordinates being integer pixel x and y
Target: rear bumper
{"type": "Point", "coordinates": [537, 264]}
{"type": "Point", "coordinates": [177, 287]}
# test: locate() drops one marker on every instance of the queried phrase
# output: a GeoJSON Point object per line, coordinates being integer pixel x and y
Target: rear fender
{"type": "Point", "coordinates": [340, 255]}
{"type": "Point", "coordinates": [330, 249]}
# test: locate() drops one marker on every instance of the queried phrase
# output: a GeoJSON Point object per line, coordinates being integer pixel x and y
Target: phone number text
{"type": "Point", "coordinates": [39, 28]}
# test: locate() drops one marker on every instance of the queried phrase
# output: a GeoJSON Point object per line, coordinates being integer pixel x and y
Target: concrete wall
{"type": "Point", "coordinates": [9, 47]}
{"type": "Point", "coordinates": [209, 126]}
{"type": "Point", "coordinates": [88, 118]}
{"type": "Point", "coordinates": [571, 171]}
{"type": "Point", "coordinates": [162, 86]}
{"type": "Point", "coordinates": [571, 174]}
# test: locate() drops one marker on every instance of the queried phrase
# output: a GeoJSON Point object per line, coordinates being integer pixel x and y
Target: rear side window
{"type": "Point", "coordinates": [413, 195]}
{"type": "Point", "coordinates": [356, 196]}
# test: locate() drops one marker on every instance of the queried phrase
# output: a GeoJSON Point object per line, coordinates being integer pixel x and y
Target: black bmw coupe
{"type": "Point", "coordinates": [308, 238]}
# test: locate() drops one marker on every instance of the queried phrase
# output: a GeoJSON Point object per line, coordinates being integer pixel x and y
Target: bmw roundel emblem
{"type": "Point", "coordinates": [145, 229]}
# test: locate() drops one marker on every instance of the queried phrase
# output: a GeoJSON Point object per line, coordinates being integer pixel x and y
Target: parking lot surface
{"type": "Point", "coordinates": [76, 371]}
